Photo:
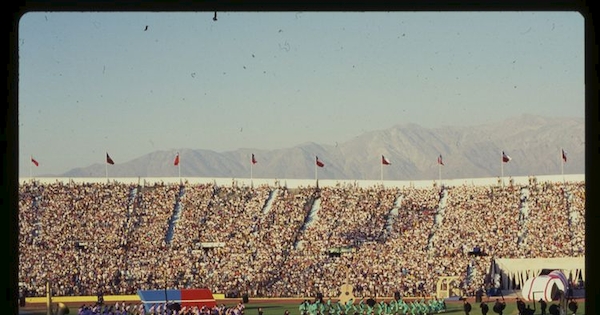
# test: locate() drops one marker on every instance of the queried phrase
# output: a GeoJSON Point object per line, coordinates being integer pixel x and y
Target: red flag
{"type": "Point", "coordinates": [319, 163]}
{"type": "Point", "coordinates": [176, 162]}
{"type": "Point", "coordinates": [564, 156]}
{"type": "Point", "coordinates": [109, 160]}
{"type": "Point", "coordinates": [253, 159]}
{"type": "Point", "coordinates": [440, 162]}
{"type": "Point", "coordinates": [385, 161]}
{"type": "Point", "coordinates": [505, 157]}
{"type": "Point", "coordinates": [35, 162]}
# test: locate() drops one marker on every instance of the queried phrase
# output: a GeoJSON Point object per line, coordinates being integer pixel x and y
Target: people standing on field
{"type": "Point", "coordinates": [543, 306]}
{"type": "Point", "coordinates": [499, 307]}
{"type": "Point", "coordinates": [466, 307]}
{"type": "Point", "coordinates": [484, 308]}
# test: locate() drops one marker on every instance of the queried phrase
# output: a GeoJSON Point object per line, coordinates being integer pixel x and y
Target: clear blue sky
{"type": "Point", "coordinates": [96, 82]}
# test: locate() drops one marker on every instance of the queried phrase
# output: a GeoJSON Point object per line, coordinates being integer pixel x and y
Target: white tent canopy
{"type": "Point", "coordinates": [521, 269]}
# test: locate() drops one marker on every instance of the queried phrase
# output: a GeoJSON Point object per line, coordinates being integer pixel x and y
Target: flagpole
{"type": "Point", "coordinates": [179, 166]}
{"type": "Point", "coordinates": [381, 167]}
{"type": "Point", "coordinates": [30, 161]}
{"type": "Point", "coordinates": [502, 168]}
{"type": "Point", "coordinates": [562, 164]}
{"type": "Point", "coordinates": [440, 173]}
{"type": "Point", "coordinates": [251, 166]}
{"type": "Point", "coordinates": [106, 166]}
{"type": "Point", "coordinates": [316, 178]}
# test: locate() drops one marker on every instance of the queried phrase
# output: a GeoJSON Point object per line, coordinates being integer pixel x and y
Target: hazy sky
{"type": "Point", "coordinates": [132, 83]}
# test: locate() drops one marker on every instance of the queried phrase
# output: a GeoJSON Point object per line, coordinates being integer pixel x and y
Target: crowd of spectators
{"type": "Point", "coordinates": [276, 241]}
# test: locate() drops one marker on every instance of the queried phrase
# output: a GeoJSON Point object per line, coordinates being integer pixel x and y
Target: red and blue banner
{"type": "Point", "coordinates": [185, 297]}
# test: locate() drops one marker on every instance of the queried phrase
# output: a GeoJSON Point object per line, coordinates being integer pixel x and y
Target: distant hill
{"type": "Point", "coordinates": [533, 143]}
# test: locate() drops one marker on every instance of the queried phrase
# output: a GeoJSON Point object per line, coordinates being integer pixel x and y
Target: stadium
{"type": "Point", "coordinates": [86, 239]}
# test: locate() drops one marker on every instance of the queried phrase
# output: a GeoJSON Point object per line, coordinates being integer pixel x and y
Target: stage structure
{"type": "Point", "coordinates": [512, 272]}
{"type": "Point", "coordinates": [548, 287]}
{"type": "Point", "coordinates": [447, 287]}
{"type": "Point", "coordinates": [551, 287]}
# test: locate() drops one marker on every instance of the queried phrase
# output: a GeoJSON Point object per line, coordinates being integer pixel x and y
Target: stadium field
{"type": "Point", "coordinates": [279, 306]}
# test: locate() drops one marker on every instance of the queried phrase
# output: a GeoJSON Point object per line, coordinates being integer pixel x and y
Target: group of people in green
{"type": "Point", "coordinates": [370, 307]}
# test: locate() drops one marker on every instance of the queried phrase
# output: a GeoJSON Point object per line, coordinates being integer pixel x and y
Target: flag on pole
{"type": "Point", "coordinates": [440, 163]}
{"type": "Point", "coordinates": [385, 161]}
{"type": "Point", "coordinates": [35, 162]}
{"type": "Point", "coordinates": [564, 156]}
{"type": "Point", "coordinates": [319, 163]}
{"type": "Point", "coordinates": [109, 160]}
{"type": "Point", "coordinates": [505, 157]}
{"type": "Point", "coordinates": [253, 161]}
{"type": "Point", "coordinates": [176, 162]}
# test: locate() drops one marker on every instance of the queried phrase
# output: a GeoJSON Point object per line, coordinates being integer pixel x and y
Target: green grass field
{"type": "Point", "coordinates": [279, 308]}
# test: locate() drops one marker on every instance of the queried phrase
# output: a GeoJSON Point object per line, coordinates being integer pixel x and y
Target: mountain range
{"type": "Point", "coordinates": [534, 144]}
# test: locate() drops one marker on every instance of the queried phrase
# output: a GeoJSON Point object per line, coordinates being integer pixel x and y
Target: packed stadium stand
{"type": "Point", "coordinates": [271, 240]}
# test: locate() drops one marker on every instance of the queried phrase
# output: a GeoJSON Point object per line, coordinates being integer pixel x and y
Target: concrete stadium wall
{"type": "Point", "coordinates": [295, 183]}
